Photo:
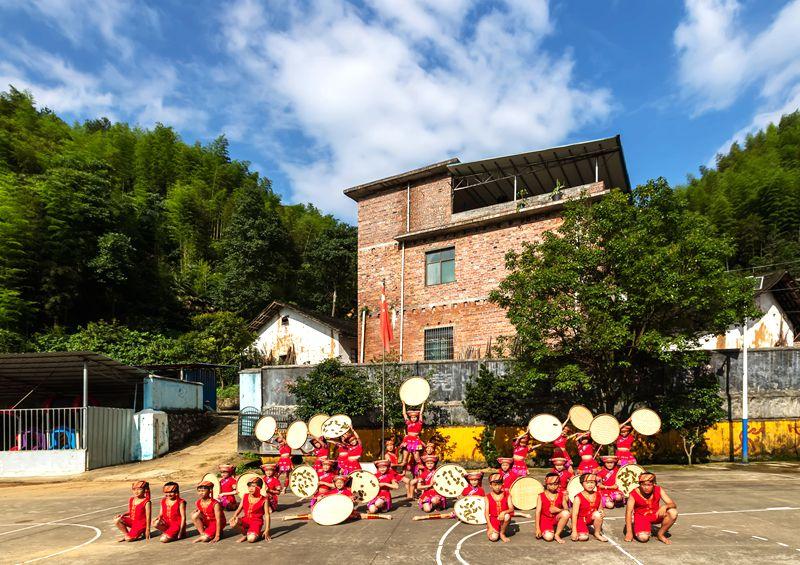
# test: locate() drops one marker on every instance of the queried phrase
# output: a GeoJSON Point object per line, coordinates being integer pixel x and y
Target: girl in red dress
{"type": "Point", "coordinates": [354, 454]}
{"type": "Point", "coordinates": [272, 485]}
{"type": "Point", "coordinates": [321, 449]}
{"type": "Point", "coordinates": [387, 480]}
{"type": "Point", "coordinates": [560, 445]}
{"type": "Point", "coordinates": [607, 474]}
{"type": "Point", "coordinates": [285, 465]}
{"type": "Point", "coordinates": [644, 510]}
{"type": "Point", "coordinates": [412, 444]}
{"type": "Point", "coordinates": [522, 449]}
{"type": "Point", "coordinates": [505, 471]}
{"type": "Point", "coordinates": [586, 510]}
{"type": "Point", "coordinates": [429, 499]}
{"type": "Point", "coordinates": [564, 474]}
{"type": "Point", "coordinates": [551, 511]}
{"type": "Point", "coordinates": [172, 520]}
{"type": "Point", "coordinates": [227, 487]}
{"type": "Point", "coordinates": [586, 448]}
{"type": "Point", "coordinates": [623, 445]}
{"type": "Point", "coordinates": [326, 475]}
{"type": "Point", "coordinates": [253, 514]}
{"type": "Point", "coordinates": [208, 517]}
{"type": "Point", "coordinates": [499, 509]}
{"type": "Point", "coordinates": [134, 524]}
{"type": "Point", "coordinates": [474, 487]}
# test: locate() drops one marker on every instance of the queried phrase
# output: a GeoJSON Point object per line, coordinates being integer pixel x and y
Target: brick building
{"type": "Point", "coordinates": [438, 235]}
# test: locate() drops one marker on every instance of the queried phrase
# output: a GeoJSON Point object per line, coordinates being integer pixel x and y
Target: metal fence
{"type": "Point", "coordinates": [34, 429]}
{"type": "Point", "coordinates": [249, 415]}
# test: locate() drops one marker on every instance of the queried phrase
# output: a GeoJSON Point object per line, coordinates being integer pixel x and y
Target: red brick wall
{"type": "Point", "coordinates": [479, 267]}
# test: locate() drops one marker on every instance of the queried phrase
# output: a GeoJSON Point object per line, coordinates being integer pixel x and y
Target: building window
{"type": "Point", "coordinates": [440, 266]}
{"type": "Point", "coordinates": [285, 321]}
{"type": "Point", "coordinates": [439, 344]}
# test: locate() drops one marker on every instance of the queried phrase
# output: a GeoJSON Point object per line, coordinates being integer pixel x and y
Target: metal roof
{"type": "Point", "coordinates": [538, 171]}
{"type": "Point", "coordinates": [61, 373]}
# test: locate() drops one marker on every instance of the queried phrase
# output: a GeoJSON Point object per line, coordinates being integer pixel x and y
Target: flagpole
{"type": "Point", "coordinates": [383, 404]}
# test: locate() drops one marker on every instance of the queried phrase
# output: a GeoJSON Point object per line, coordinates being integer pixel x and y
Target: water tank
{"type": "Point", "coordinates": [150, 435]}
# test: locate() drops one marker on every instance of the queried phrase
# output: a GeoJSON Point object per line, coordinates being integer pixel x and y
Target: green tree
{"type": "Point", "coordinates": [693, 407]}
{"type": "Point", "coordinates": [603, 306]}
{"type": "Point", "coordinates": [334, 388]}
{"type": "Point", "coordinates": [327, 278]}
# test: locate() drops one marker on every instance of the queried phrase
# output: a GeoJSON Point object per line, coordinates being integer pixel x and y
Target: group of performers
{"type": "Point", "coordinates": [647, 506]}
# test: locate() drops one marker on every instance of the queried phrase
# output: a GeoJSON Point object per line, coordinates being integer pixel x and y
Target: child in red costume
{"type": "Point", "coordinates": [172, 520]}
{"type": "Point", "coordinates": [623, 445]}
{"type": "Point", "coordinates": [522, 448]}
{"type": "Point", "coordinates": [588, 463]}
{"type": "Point", "coordinates": [644, 510]}
{"type": "Point", "coordinates": [135, 523]}
{"type": "Point", "coordinates": [564, 474]}
{"type": "Point", "coordinates": [505, 471]}
{"type": "Point", "coordinates": [551, 511]}
{"type": "Point", "coordinates": [386, 480]}
{"type": "Point", "coordinates": [607, 474]}
{"type": "Point", "coordinates": [429, 499]}
{"type": "Point", "coordinates": [586, 510]}
{"type": "Point", "coordinates": [253, 514]}
{"type": "Point", "coordinates": [412, 444]}
{"type": "Point", "coordinates": [272, 485]}
{"type": "Point", "coordinates": [326, 475]}
{"type": "Point", "coordinates": [321, 449]}
{"type": "Point", "coordinates": [208, 518]}
{"type": "Point", "coordinates": [285, 465]}
{"type": "Point", "coordinates": [560, 446]}
{"type": "Point", "coordinates": [499, 509]}
{"type": "Point", "coordinates": [227, 487]}
{"type": "Point", "coordinates": [474, 487]}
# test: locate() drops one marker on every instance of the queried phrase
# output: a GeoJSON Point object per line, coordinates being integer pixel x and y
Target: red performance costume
{"type": "Point", "coordinates": [252, 520]}
{"type": "Point", "coordinates": [412, 440]}
{"type": "Point", "coordinates": [548, 520]}
{"type": "Point", "coordinates": [588, 463]}
{"type": "Point", "coordinates": [564, 475]}
{"type": "Point", "coordinates": [623, 451]}
{"type": "Point", "coordinates": [342, 460]}
{"type": "Point", "coordinates": [285, 460]}
{"type": "Point", "coordinates": [170, 523]}
{"type": "Point", "coordinates": [560, 449]}
{"type": "Point", "coordinates": [473, 491]}
{"type": "Point", "coordinates": [354, 464]}
{"type": "Point", "coordinates": [508, 476]}
{"type": "Point", "coordinates": [495, 507]}
{"type": "Point", "coordinates": [521, 452]}
{"type": "Point", "coordinates": [320, 453]}
{"type": "Point", "coordinates": [645, 510]}
{"type": "Point", "coordinates": [608, 479]}
{"type": "Point", "coordinates": [136, 518]}
{"type": "Point", "coordinates": [272, 483]}
{"type": "Point", "coordinates": [426, 480]}
{"type": "Point", "coordinates": [386, 478]}
{"type": "Point", "coordinates": [209, 518]}
{"type": "Point", "coordinates": [588, 507]}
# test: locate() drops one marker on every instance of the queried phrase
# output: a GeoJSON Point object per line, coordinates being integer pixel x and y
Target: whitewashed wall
{"type": "Point", "coordinates": [313, 341]}
{"type": "Point", "coordinates": [49, 463]}
{"type": "Point", "coordinates": [773, 329]}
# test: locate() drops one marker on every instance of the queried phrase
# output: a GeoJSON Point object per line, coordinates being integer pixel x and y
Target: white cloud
{"type": "Point", "coordinates": [719, 61]}
{"type": "Point", "coordinates": [391, 86]}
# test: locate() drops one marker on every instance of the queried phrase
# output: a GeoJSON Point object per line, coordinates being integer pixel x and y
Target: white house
{"type": "Point", "coordinates": [288, 335]}
{"type": "Point", "coordinates": [778, 298]}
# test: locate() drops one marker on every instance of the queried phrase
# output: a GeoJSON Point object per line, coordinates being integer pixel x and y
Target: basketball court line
{"type": "Point", "coordinates": [55, 522]}
{"type": "Point", "coordinates": [97, 534]}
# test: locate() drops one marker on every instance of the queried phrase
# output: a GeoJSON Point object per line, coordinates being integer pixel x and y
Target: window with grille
{"type": "Point", "coordinates": [439, 344]}
{"type": "Point", "coordinates": [440, 266]}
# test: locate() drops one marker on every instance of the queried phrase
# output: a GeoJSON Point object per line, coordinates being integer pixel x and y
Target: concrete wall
{"type": "Point", "coordinates": [773, 329]}
{"type": "Point", "coordinates": [185, 426]}
{"type": "Point", "coordinates": [309, 340]}
{"type": "Point", "coordinates": [774, 383]}
{"type": "Point", "coordinates": [161, 393]}
{"type": "Point", "coordinates": [52, 463]}
{"type": "Point", "coordinates": [250, 389]}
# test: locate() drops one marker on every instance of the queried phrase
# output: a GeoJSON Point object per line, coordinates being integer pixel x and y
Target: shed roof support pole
{"type": "Point", "coordinates": [596, 171]}
{"type": "Point", "coordinates": [515, 188]}
{"type": "Point", "coordinates": [84, 426]}
{"type": "Point", "coordinates": [745, 445]}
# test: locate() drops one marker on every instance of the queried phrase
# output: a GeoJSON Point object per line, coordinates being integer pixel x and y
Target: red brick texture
{"type": "Point", "coordinates": [479, 267]}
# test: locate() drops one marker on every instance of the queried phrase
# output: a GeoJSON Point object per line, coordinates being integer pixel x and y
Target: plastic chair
{"type": "Point", "coordinates": [31, 440]}
{"type": "Point", "coordinates": [63, 438]}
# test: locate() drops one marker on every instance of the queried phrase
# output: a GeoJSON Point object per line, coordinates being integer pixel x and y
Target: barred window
{"type": "Point", "coordinates": [439, 344]}
{"type": "Point", "coordinates": [440, 266]}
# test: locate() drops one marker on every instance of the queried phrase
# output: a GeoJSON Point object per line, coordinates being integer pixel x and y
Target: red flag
{"type": "Point", "coordinates": [386, 324]}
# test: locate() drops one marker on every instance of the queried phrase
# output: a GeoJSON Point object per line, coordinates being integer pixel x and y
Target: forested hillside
{"type": "Point", "coordinates": [135, 227]}
{"type": "Point", "coordinates": [753, 196]}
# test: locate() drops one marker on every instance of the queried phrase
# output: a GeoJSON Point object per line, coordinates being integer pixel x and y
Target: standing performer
{"type": "Point", "coordinates": [560, 443]}
{"type": "Point", "coordinates": [588, 463]}
{"type": "Point", "coordinates": [624, 443]}
{"type": "Point", "coordinates": [326, 476]}
{"type": "Point", "coordinates": [285, 465]}
{"type": "Point", "coordinates": [412, 444]}
{"type": "Point", "coordinates": [227, 487]}
{"type": "Point", "coordinates": [505, 471]}
{"type": "Point", "coordinates": [387, 480]}
{"type": "Point", "coordinates": [474, 487]}
{"type": "Point", "coordinates": [321, 449]}
{"type": "Point", "coordinates": [644, 509]}
{"type": "Point", "coordinates": [342, 454]}
{"type": "Point", "coordinates": [208, 518]}
{"type": "Point", "coordinates": [135, 523]}
{"type": "Point", "coordinates": [586, 509]}
{"type": "Point", "coordinates": [551, 511]}
{"type": "Point", "coordinates": [564, 474]}
{"type": "Point", "coordinates": [272, 485]}
{"type": "Point", "coordinates": [499, 509]}
{"type": "Point", "coordinates": [253, 514]}
{"type": "Point", "coordinates": [429, 499]}
{"type": "Point", "coordinates": [522, 449]}
{"type": "Point", "coordinates": [607, 474]}
{"type": "Point", "coordinates": [172, 520]}
{"type": "Point", "coordinates": [354, 454]}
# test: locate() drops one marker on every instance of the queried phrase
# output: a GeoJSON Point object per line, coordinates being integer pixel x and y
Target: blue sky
{"type": "Point", "coordinates": [323, 94]}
